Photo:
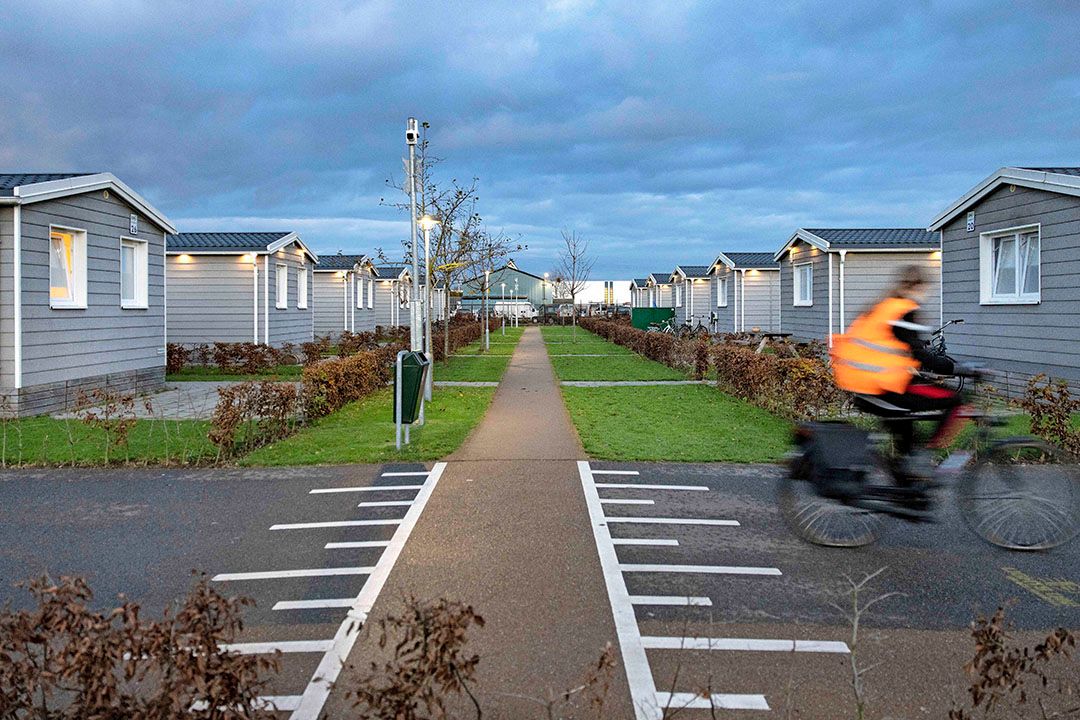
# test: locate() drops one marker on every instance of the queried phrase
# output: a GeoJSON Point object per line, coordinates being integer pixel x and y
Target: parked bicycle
{"type": "Point", "coordinates": [937, 347]}
{"type": "Point", "coordinates": [1018, 493]}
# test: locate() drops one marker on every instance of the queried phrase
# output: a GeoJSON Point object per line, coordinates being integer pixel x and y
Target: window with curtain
{"type": "Point", "coordinates": [804, 284]}
{"type": "Point", "coordinates": [67, 268]}
{"type": "Point", "coordinates": [1011, 267]}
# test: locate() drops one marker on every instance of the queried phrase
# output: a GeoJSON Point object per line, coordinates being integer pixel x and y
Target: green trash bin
{"type": "Point", "coordinates": [641, 317]}
{"type": "Point", "coordinates": [415, 366]}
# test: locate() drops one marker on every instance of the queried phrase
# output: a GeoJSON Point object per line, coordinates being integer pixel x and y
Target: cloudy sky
{"type": "Point", "coordinates": [662, 131]}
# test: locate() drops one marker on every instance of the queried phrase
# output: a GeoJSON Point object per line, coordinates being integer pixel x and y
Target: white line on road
{"type": "Point", "coordinates": [692, 701]}
{"type": "Point", "coordinates": [670, 600]}
{"type": "Point", "coordinates": [406, 474]}
{"type": "Point", "coordinates": [356, 544]}
{"type": "Point", "coordinates": [280, 703]}
{"type": "Point", "coordinates": [314, 604]}
{"type": "Point", "coordinates": [333, 524]}
{"type": "Point", "coordinates": [614, 472]}
{"type": "Point", "coordinates": [375, 488]}
{"type": "Point", "coordinates": [625, 501]}
{"type": "Point", "coordinates": [673, 521]}
{"type": "Point", "coordinates": [704, 643]}
{"type": "Point", "coordinates": [636, 486]}
{"type": "Point", "coordinates": [635, 661]}
{"type": "Point", "coordinates": [386, 503]}
{"type": "Point", "coordinates": [315, 694]}
{"type": "Point", "coordinates": [706, 569]}
{"type": "Point", "coordinates": [283, 646]}
{"type": "Point", "coordinates": [645, 541]}
{"type": "Point", "coordinates": [278, 574]}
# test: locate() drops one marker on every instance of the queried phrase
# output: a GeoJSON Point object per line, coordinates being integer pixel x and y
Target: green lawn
{"type": "Point", "coordinates": [631, 367]}
{"type": "Point", "coordinates": [363, 432]}
{"type": "Point", "coordinates": [51, 441]}
{"type": "Point", "coordinates": [281, 372]}
{"type": "Point", "coordinates": [472, 364]}
{"type": "Point", "coordinates": [682, 423]}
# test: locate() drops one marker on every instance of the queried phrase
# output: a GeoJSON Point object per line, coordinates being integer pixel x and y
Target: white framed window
{"type": "Point", "coordinates": [67, 268]}
{"type": "Point", "coordinates": [804, 284]}
{"type": "Point", "coordinates": [678, 295]}
{"type": "Point", "coordinates": [1010, 266]}
{"type": "Point", "coordinates": [721, 291]}
{"type": "Point", "coordinates": [134, 282]}
{"type": "Point", "coordinates": [359, 279]}
{"type": "Point", "coordinates": [371, 293]}
{"type": "Point", "coordinates": [301, 287]}
{"type": "Point", "coordinates": [282, 288]}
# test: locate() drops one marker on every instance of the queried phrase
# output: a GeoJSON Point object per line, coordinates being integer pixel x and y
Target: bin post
{"type": "Point", "coordinates": [397, 400]}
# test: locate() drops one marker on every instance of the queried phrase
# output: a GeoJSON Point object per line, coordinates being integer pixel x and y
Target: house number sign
{"type": "Point", "coordinates": [971, 221]}
{"type": "Point", "coordinates": [133, 224]}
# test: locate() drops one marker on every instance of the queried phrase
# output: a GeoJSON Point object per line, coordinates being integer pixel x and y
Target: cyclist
{"type": "Point", "coordinates": [879, 358]}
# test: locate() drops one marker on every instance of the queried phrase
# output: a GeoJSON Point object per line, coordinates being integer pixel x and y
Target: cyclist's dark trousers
{"type": "Point", "coordinates": [923, 398]}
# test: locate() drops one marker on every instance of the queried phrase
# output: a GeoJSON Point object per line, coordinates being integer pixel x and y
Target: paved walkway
{"type": "Point", "coordinates": [194, 400]}
{"type": "Point", "coordinates": [507, 530]}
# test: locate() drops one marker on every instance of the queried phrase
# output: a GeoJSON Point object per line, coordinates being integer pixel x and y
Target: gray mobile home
{"type": "Point", "coordinates": [830, 276]}
{"type": "Point", "coordinates": [639, 292]}
{"type": "Point", "coordinates": [660, 291]}
{"type": "Point", "coordinates": [509, 282]}
{"type": "Point", "coordinates": [239, 287]}
{"type": "Point", "coordinates": [746, 292]}
{"type": "Point", "coordinates": [1011, 270]}
{"type": "Point", "coordinates": [393, 292]}
{"type": "Point", "coordinates": [82, 299]}
{"type": "Point", "coordinates": [344, 294]}
{"type": "Point", "coordinates": [693, 294]}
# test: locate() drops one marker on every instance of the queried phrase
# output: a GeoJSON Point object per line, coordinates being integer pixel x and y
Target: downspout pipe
{"type": "Point", "coordinates": [843, 322]}
{"type": "Point", "coordinates": [830, 299]}
{"type": "Point", "coordinates": [17, 290]}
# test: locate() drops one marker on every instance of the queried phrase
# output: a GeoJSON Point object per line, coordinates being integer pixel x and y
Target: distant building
{"type": "Point", "coordinates": [746, 290]}
{"type": "Point", "coordinates": [344, 294]}
{"type": "Point", "coordinates": [509, 282]}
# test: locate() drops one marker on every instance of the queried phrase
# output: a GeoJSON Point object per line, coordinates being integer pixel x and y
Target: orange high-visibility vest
{"type": "Point", "coordinates": [868, 359]}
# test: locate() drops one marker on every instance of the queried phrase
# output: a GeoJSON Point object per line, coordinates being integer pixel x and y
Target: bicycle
{"type": "Point", "coordinates": [667, 327]}
{"type": "Point", "coordinates": [692, 328]}
{"type": "Point", "coordinates": [1018, 493]}
{"type": "Point", "coordinates": [937, 347]}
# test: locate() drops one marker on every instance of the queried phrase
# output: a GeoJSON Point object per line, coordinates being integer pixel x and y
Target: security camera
{"type": "Point", "coordinates": [411, 132]}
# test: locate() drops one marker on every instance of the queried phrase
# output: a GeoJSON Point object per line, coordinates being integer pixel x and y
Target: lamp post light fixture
{"type": "Point", "coordinates": [427, 223]}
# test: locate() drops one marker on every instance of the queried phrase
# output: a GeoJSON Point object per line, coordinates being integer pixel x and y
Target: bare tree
{"type": "Point", "coordinates": [489, 252]}
{"type": "Point", "coordinates": [575, 265]}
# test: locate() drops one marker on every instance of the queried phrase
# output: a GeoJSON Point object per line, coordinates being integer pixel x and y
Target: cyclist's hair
{"type": "Point", "coordinates": [909, 278]}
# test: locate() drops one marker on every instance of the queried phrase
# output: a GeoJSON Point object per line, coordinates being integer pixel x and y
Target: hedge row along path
{"type": "Point", "coordinates": [507, 531]}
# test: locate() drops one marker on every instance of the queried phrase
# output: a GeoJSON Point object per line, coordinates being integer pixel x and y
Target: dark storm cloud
{"type": "Point", "coordinates": [663, 131]}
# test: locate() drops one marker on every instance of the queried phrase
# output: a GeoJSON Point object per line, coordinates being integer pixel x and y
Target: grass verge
{"type": "Point", "coordinates": [53, 441]}
{"type": "Point", "coordinates": [630, 367]}
{"type": "Point", "coordinates": [681, 423]}
{"type": "Point", "coordinates": [363, 432]}
{"type": "Point", "coordinates": [213, 374]}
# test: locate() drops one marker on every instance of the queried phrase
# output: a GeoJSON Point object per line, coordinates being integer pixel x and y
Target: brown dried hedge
{"type": "Point", "coordinates": [251, 414]}
{"type": "Point", "coordinates": [331, 384]}
{"type": "Point", "coordinates": [797, 388]}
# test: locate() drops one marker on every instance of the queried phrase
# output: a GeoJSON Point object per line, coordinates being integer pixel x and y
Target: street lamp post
{"type": "Point", "coordinates": [427, 223]}
{"type": "Point", "coordinates": [487, 296]}
{"type": "Point", "coordinates": [517, 308]}
{"type": "Point", "coordinates": [412, 134]}
{"type": "Point", "coordinates": [503, 286]}
{"type": "Point", "coordinates": [543, 295]}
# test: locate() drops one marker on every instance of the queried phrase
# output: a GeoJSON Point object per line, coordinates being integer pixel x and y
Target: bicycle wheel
{"type": "Point", "coordinates": [825, 521]}
{"type": "Point", "coordinates": [1022, 494]}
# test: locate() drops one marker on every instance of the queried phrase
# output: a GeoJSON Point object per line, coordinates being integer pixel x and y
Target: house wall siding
{"type": "Point", "coordinates": [725, 322]}
{"type": "Point", "coordinates": [291, 324]}
{"type": "Point", "coordinates": [805, 322]}
{"type": "Point", "coordinates": [1021, 339]}
{"type": "Point", "coordinates": [60, 346]}
{"type": "Point", "coordinates": [363, 319]}
{"type": "Point", "coordinates": [333, 296]}
{"type": "Point", "coordinates": [760, 291]}
{"type": "Point", "coordinates": [387, 307]}
{"type": "Point", "coordinates": [210, 299]}
{"type": "Point", "coordinates": [868, 276]}
{"type": "Point", "coordinates": [7, 297]}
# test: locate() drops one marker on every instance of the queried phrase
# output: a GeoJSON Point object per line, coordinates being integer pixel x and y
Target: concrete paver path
{"type": "Point", "coordinates": [507, 530]}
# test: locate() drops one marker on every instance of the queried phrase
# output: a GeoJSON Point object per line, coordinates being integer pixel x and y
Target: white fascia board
{"type": "Point", "coordinates": [1037, 180]}
{"type": "Point", "coordinates": [200, 251]}
{"type": "Point", "coordinates": [288, 240]}
{"type": "Point", "coordinates": [807, 237]}
{"type": "Point", "coordinates": [39, 192]}
{"type": "Point", "coordinates": [724, 260]}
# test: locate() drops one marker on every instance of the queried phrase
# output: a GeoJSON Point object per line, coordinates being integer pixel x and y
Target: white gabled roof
{"type": "Point", "coordinates": [78, 184]}
{"type": "Point", "coordinates": [1059, 180]}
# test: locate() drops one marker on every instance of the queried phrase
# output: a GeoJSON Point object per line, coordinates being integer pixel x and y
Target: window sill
{"type": "Point", "coordinates": [134, 306]}
{"type": "Point", "coordinates": [67, 306]}
{"type": "Point", "coordinates": [281, 307]}
{"type": "Point", "coordinates": [1012, 301]}
{"type": "Point", "coordinates": [802, 304]}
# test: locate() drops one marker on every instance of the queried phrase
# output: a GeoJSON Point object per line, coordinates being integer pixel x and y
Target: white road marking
{"type": "Point", "coordinates": [386, 503]}
{"type": "Point", "coordinates": [706, 569]}
{"type": "Point", "coordinates": [614, 472]}
{"type": "Point", "coordinates": [645, 541]}
{"type": "Point", "coordinates": [670, 600]}
{"type": "Point", "coordinates": [283, 646]}
{"type": "Point", "coordinates": [625, 501]}
{"type": "Point", "coordinates": [636, 663]}
{"type": "Point", "coordinates": [636, 486]}
{"type": "Point", "coordinates": [673, 521]}
{"type": "Point", "coordinates": [314, 604]}
{"type": "Point", "coordinates": [333, 524]}
{"type": "Point", "coordinates": [356, 544]}
{"type": "Point", "coordinates": [281, 703]}
{"type": "Point", "coordinates": [692, 701]}
{"type": "Point", "coordinates": [704, 643]}
{"type": "Point", "coordinates": [315, 694]}
{"type": "Point", "coordinates": [425, 473]}
{"type": "Point", "coordinates": [278, 574]}
{"type": "Point", "coordinates": [375, 488]}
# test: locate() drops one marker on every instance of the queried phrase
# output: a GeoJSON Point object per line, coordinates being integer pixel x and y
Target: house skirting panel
{"type": "Point", "coordinates": [61, 396]}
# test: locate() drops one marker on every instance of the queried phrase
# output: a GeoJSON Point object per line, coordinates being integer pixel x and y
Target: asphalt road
{"type": "Point", "coordinates": [770, 586]}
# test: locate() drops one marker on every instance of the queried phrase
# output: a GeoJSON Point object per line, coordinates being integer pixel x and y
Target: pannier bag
{"type": "Point", "coordinates": [836, 457]}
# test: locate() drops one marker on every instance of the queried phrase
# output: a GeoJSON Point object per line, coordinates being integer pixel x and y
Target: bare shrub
{"type": "Point", "coordinates": [251, 414]}
{"type": "Point", "coordinates": [176, 358]}
{"type": "Point", "coordinates": [1051, 407]}
{"type": "Point", "coordinates": [61, 660]}
{"type": "Point", "coordinates": [1042, 681]}
{"type": "Point", "coordinates": [314, 351]}
{"type": "Point", "coordinates": [110, 411]}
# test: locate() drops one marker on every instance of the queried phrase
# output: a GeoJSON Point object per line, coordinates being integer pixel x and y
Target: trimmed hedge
{"type": "Point", "coordinates": [796, 388]}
